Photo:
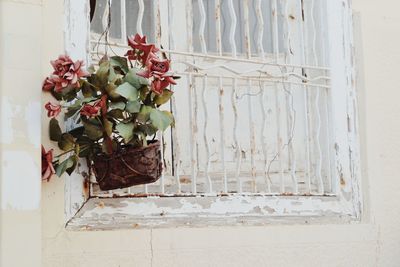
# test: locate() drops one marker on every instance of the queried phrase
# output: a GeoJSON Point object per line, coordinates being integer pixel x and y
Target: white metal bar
{"type": "Point", "coordinates": [193, 126]}
{"type": "Point", "coordinates": [329, 145]}
{"type": "Point", "coordinates": [207, 145]}
{"type": "Point", "coordinates": [123, 21]}
{"type": "Point", "coordinates": [235, 137]}
{"type": "Point", "coordinates": [192, 133]}
{"type": "Point", "coordinates": [279, 143]}
{"type": "Point", "coordinates": [139, 21]}
{"type": "Point", "coordinates": [232, 28]}
{"type": "Point", "coordinates": [222, 132]}
{"type": "Point", "coordinates": [304, 41]}
{"type": "Point", "coordinates": [176, 147]}
{"type": "Point", "coordinates": [249, 96]}
{"type": "Point", "coordinates": [227, 58]}
{"type": "Point", "coordinates": [317, 111]}
{"type": "Point", "coordinates": [218, 26]}
{"type": "Point", "coordinates": [252, 138]}
{"type": "Point", "coordinates": [171, 38]}
{"type": "Point", "coordinates": [275, 28]}
{"type": "Point", "coordinates": [262, 137]}
{"type": "Point", "coordinates": [290, 105]}
{"type": "Point", "coordinates": [202, 26]}
{"type": "Point", "coordinates": [220, 95]}
{"type": "Point", "coordinates": [162, 178]}
{"type": "Point", "coordinates": [260, 49]}
{"type": "Point", "coordinates": [260, 29]}
{"type": "Point", "coordinates": [246, 28]}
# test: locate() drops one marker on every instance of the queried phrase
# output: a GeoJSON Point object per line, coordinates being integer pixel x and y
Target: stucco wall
{"type": "Point", "coordinates": [38, 29]}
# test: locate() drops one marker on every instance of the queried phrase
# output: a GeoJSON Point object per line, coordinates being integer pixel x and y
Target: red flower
{"type": "Point", "coordinates": [66, 73]}
{"type": "Point", "coordinates": [52, 110]}
{"type": "Point", "coordinates": [158, 69]}
{"type": "Point", "coordinates": [157, 86]}
{"type": "Point", "coordinates": [91, 111]}
{"type": "Point", "coordinates": [155, 67]}
{"type": "Point", "coordinates": [141, 50]}
{"type": "Point", "coordinates": [48, 84]}
{"type": "Point", "coordinates": [47, 164]}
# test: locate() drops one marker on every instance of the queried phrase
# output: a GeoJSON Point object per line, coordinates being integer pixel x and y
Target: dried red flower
{"type": "Point", "coordinates": [47, 164]}
{"type": "Point", "coordinates": [66, 73]}
{"type": "Point", "coordinates": [141, 50]}
{"type": "Point", "coordinates": [91, 111]}
{"type": "Point", "coordinates": [48, 84]}
{"type": "Point", "coordinates": [158, 69]}
{"type": "Point", "coordinates": [52, 110]}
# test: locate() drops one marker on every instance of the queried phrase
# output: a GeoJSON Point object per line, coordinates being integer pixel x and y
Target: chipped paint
{"type": "Point", "coordinates": [20, 181]}
{"type": "Point", "coordinates": [163, 212]}
{"type": "Point", "coordinates": [238, 209]}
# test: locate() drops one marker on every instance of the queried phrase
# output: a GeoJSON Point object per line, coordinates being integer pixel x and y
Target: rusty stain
{"type": "Point", "coordinates": [100, 204]}
{"type": "Point", "coordinates": [184, 179]}
{"type": "Point", "coordinates": [135, 225]}
{"type": "Point", "coordinates": [86, 187]}
{"type": "Point", "coordinates": [342, 180]}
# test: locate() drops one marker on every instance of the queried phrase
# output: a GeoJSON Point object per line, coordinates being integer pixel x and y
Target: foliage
{"type": "Point", "coordinates": [113, 105]}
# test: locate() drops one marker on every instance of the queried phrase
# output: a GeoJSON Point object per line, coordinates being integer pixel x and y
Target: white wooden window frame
{"type": "Point", "coordinates": [83, 212]}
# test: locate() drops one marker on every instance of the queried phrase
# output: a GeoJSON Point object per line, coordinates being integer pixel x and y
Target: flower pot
{"type": "Point", "coordinates": [128, 167]}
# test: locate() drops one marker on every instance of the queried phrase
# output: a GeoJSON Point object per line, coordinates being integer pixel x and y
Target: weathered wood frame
{"type": "Point", "coordinates": [83, 212]}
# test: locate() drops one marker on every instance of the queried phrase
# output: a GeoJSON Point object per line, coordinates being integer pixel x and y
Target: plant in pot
{"type": "Point", "coordinates": [115, 110]}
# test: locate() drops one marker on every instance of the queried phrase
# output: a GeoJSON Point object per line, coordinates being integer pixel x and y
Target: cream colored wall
{"type": "Point", "coordinates": [374, 242]}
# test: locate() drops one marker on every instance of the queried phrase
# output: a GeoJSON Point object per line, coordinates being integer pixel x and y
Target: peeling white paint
{"type": "Point", "coordinates": [6, 116]}
{"type": "Point", "coordinates": [32, 113]}
{"type": "Point", "coordinates": [20, 181]}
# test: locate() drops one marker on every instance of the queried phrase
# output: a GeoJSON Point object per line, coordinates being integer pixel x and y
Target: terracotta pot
{"type": "Point", "coordinates": [128, 167]}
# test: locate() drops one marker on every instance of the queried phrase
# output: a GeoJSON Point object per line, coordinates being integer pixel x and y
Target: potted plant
{"type": "Point", "coordinates": [115, 109]}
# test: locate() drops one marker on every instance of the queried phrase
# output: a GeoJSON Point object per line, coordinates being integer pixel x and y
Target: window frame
{"type": "Point", "coordinates": [85, 213]}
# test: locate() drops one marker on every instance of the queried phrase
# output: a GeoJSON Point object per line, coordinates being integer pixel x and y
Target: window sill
{"type": "Point", "coordinates": [129, 213]}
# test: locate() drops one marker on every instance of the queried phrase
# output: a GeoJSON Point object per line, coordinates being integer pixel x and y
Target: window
{"type": "Point", "coordinates": [265, 111]}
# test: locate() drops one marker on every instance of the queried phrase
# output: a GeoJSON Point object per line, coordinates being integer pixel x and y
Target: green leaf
{"type": "Point", "coordinates": [102, 73]}
{"type": "Point", "coordinates": [133, 106]}
{"type": "Point", "coordinates": [54, 130]}
{"type": "Point", "coordinates": [111, 91]}
{"type": "Point", "coordinates": [63, 166]}
{"type": "Point", "coordinates": [74, 160]}
{"type": "Point", "coordinates": [87, 90]}
{"type": "Point", "coordinates": [117, 105]}
{"type": "Point", "coordinates": [85, 145]}
{"type": "Point", "coordinates": [128, 91]}
{"type": "Point", "coordinates": [144, 113]}
{"type": "Point", "coordinates": [161, 119]}
{"type": "Point", "coordinates": [164, 97]}
{"type": "Point", "coordinates": [93, 130]}
{"type": "Point", "coordinates": [125, 130]}
{"type": "Point", "coordinates": [108, 127]}
{"type": "Point", "coordinates": [76, 132]}
{"type": "Point", "coordinates": [56, 95]}
{"type": "Point", "coordinates": [134, 79]}
{"type": "Point", "coordinates": [112, 76]}
{"type": "Point", "coordinates": [146, 130]}
{"type": "Point", "coordinates": [116, 113]}
{"type": "Point", "coordinates": [144, 91]}
{"type": "Point", "coordinates": [66, 142]}
{"type": "Point", "coordinates": [120, 62]}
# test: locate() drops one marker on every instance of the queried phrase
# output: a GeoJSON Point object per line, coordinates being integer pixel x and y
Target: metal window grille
{"type": "Point", "coordinates": [253, 107]}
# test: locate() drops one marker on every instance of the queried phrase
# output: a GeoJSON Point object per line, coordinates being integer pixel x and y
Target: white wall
{"type": "Point", "coordinates": [374, 242]}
